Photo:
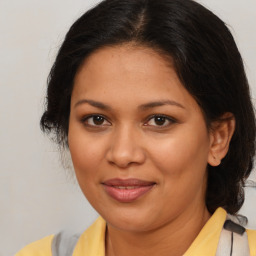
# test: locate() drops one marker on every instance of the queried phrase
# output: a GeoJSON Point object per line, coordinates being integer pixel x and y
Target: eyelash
{"type": "Point", "coordinates": [166, 118]}
{"type": "Point", "coordinates": [86, 118]}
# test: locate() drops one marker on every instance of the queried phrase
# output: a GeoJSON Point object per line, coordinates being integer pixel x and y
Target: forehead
{"type": "Point", "coordinates": [129, 73]}
{"type": "Point", "coordinates": [128, 58]}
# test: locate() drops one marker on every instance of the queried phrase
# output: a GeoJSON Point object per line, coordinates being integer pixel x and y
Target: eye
{"type": "Point", "coordinates": [95, 120]}
{"type": "Point", "coordinates": [160, 121]}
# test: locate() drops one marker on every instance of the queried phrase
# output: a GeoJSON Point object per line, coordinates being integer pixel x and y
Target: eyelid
{"type": "Point", "coordinates": [86, 117]}
{"type": "Point", "coordinates": [170, 119]}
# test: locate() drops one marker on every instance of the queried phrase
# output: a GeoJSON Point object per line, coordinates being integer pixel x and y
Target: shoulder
{"type": "Point", "coordinates": [41, 247]}
{"type": "Point", "coordinates": [252, 241]}
{"type": "Point", "coordinates": [251, 234]}
{"type": "Point", "coordinates": [91, 242]}
{"type": "Point", "coordinates": [61, 244]}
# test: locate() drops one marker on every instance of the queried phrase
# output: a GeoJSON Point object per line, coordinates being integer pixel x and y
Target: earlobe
{"type": "Point", "coordinates": [220, 137]}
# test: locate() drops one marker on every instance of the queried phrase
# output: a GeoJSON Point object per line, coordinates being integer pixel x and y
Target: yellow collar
{"type": "Point", "coordinates": [207, 240]}
{"type": "Point", "coordinates": [92, 241]}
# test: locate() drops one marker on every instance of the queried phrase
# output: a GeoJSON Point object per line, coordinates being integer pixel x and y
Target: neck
{"type": "Point", "coordinates": [174, 238]}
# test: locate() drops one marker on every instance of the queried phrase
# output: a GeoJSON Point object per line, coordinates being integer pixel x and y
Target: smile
{"type": "Point", "coordinates": [126, 191]}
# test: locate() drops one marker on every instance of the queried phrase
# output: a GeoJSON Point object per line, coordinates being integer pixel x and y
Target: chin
{"type": "Point", "coordinates": [131, 220]}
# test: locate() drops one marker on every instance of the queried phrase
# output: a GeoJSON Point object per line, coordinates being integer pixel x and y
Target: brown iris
{"type": "Point", "coordinates": [160, 120]}
{"type": "Point", "coordinates": [98, 120]}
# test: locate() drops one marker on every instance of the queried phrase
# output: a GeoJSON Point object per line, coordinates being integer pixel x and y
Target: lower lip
{"type": "Point", "coordinates": [127, 195]}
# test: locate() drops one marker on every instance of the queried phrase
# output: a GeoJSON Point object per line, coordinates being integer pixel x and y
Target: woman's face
{"type": "Point", "coordinates": [137, 138]}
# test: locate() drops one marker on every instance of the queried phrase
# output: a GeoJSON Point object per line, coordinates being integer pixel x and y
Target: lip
{"type": "Point", "coordinates": [127, 190]}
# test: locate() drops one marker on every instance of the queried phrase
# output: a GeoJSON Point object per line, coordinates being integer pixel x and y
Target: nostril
{"type": "Point", "coordinates": [125, 158]}
{"type": "Point", "coordinates": [125, 147]}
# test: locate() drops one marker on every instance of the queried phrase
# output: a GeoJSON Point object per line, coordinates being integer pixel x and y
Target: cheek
{"type": "Point", "coordinates": [86, 152]}
{"type": "Point", "coordinates": [86, 158]}
{"type": "Point", "coordinates": [185, 153]}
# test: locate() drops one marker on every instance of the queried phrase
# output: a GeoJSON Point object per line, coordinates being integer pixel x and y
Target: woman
{"type": "Point", "coordinates": [152, 101]}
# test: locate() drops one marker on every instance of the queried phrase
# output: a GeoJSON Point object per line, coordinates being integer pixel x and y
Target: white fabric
{"type": "Point", "coordinates": [239, 246]}
{"type": "Point", "coordinates": [63, 244]}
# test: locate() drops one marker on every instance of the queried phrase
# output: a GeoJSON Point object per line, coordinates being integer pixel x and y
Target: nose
{"type": "Point", "coordinates": [126, 148]}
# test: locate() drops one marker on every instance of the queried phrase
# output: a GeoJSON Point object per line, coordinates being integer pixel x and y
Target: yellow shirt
{"type": "Point", "coordinates": [92, 241]}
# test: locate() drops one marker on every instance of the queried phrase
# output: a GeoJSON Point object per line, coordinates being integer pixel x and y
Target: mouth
{"type": "Point", "coordinates": [127, 190]}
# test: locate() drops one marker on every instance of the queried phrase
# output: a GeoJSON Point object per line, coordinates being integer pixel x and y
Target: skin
{"type": "Point", "coordinates": [129, 143]}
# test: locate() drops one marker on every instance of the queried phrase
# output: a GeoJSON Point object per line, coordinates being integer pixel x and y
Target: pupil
{"type": "Point", "coordinates": [160, 120]}
{"type": "Point", "coordinates": [98, 120]}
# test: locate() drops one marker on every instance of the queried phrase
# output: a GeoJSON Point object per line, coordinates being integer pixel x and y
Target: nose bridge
{"type": "Point", "coordinates": [126, 146]}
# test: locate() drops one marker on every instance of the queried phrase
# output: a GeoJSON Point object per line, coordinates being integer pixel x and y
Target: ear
{"type": "Point", "coordinates": [220, 137]}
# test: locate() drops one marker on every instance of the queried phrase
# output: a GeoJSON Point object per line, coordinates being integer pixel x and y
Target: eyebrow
{"type": "Point", "coordinates": [145, 106]}
{"type": "Point", "coordinates": [93, 103]}
{"type": "Point", "coordinates": [159, 104]}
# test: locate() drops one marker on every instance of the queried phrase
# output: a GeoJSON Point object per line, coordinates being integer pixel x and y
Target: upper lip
{"type": "Point", "coordinates": [128, 182]}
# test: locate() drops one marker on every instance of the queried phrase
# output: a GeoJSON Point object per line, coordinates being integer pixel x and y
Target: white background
{"type": "Point", "coordinates": [38, 197]}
